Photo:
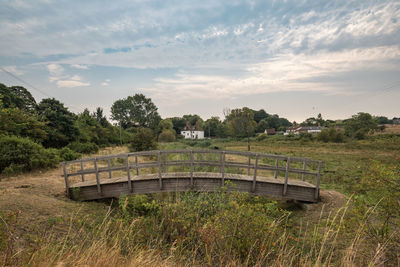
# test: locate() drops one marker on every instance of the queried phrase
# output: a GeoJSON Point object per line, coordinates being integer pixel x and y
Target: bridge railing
{"type": "Point", "coordinates": [160, 161]}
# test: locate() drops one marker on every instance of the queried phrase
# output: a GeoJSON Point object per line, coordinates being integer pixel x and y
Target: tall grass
{"type": "Point", "coordinates": [214, 229]}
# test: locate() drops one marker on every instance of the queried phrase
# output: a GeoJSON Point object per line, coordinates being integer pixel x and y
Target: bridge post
{"type": "Point", "coordinates": [318, 180]}
{"type": "Point", "coordinates": [303, 176]}
{"type": "Point", "coordinates": [223, 168]}
{"type": "Point", "coordinates": [128, 173]}
{"type": "Point", "coordinates": [248, 165]}
{"type": "Point", "coordinates": [97, 176]}
{"type": "Point", "coordinates": [191, 168]}
{"type": "Point", "coordinates": [83, 175]}
{"type": "Point", "coordinates": [109, 168]}
{"type": "Point", "coordinates": [66, 179]}
{"type": "Point", "coordinates": [137, 168]}
{"type": "Point", "coordinates": [276, 168]}
{"type": "Point", "coordinates": [286, 176]}
{"type": "Point", "coordinates": [165, 162]}
{"type": "Point", "coordinates": [159, 169]}
{"type": "Point", "coordinates": [255, 174]}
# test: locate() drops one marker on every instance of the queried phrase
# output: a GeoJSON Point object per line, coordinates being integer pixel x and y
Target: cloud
{"type": "Point", "coordinates": [55, 69]}
{"type": "Point", "coordinates": [106, 82]}
{"type": "Point", "coordinates": [78, 66]}
{"type": "Point", "coordinates": [71, 83]}
{"type": "Point", "coordinates": [14, 70]}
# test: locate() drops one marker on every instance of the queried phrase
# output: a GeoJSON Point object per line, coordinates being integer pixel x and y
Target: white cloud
{"type": "Point", "coordinates": [14, 70]}
{"type": "Point", "coordinates": [106, 82]}
{"type": "Point", "coordinates": [71, 83]}
{"type": "Point", "coordinates": [79, 66]}
{"type": "Point", "coordinates": [55, 69]}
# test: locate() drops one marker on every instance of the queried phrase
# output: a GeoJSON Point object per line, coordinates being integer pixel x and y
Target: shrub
{"type": "Point", "coordinates": [19, 154]}
{"type": "Point", "coordinates": [330, 135]}
{"type": "Point", "coordinates": [83, 148]}
{"type": "Point", "coordinates": [67, 154]}
{"type": "Point", "coordinates": [142, 140]}
{"type": "Point", "coordinates": [166, 136]}
{"type": "Point", "coordinates": [261, 137]}
{"type": "Point", "coordinates": [306, 136]}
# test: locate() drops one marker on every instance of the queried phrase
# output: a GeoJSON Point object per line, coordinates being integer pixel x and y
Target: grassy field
{"type": "Point", "coordinates": [357, 222]}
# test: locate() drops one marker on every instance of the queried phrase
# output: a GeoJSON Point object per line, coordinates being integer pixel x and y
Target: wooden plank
{"type": "Point", "coordinates": [159, 170]}
{"type": "Point", "coordinates": [83, 175]}
{"type": "Point", "coordinates": [255, 174]}
{"type": "Point", "coordinates": [286, 176]}
{"type": "Point", "coordinates": [303, 175]}
{"type": "Point", "coordinates": [97, 177]}
{"type": "Point", "coordinates": [128, 174]}
{"type": "Point", "coordinates": [316, 196]}
{"type": "Point", "coordinates": [223, 168]}
{"type": "Point", "coordinates": [109, 168]}
{"type": "Point", "coordinates": [191, 168]}
{"type": "Point", "coordinates": [66, 179]}
{"type": "Point", "coordinates": [276, 168]}
{"type": "Point", "coordinates": [136, 163]}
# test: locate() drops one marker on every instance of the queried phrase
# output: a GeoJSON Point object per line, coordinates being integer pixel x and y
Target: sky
{"type": "Point", "coordinates": [292, 58]}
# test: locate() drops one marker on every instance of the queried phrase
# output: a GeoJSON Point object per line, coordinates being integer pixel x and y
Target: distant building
{"type": "Point", "coordinates": [270, 131]}
{"type": "Point", "coordinates": [303, 129]}
{"type": "Point", "coordinates": [396, 120]}
{"type": "Point", "coordinates": [192, 132]}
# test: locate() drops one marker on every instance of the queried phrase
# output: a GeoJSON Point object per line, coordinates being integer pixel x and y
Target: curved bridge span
{"type": "Point", "coordinates": [199, 170]}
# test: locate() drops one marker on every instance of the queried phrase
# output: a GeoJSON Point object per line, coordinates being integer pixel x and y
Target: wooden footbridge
{"type": "Point", "coordinates": [199, 170]}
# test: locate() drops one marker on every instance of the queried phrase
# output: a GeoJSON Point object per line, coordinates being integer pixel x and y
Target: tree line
{"type": "Point", "coordinates": [36, 135]}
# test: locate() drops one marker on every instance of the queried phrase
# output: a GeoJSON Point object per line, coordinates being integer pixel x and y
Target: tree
{"type": "Point", "coordinates": [60, 127]}
{"type": "Point", "coordinates": [260, 115]}
{"type": "Point", "coordinates": [360, 125]}
{"type": "Point", "coordinates": [142, 140]}
{"type": "Point", "coordinates": [166, 124]}
{"type": "Point", "coordinates": [136, 111]}
{"type": "Point", "coordinates": [211, 126]}
{"type": "Point", "coordinates": [194, 120]}
{"type": "Point", "coordinates": [262, 126]}
{"type": "Point", "coordinates": [241, 123]}
{"type": "Point", "coordinates": [178, 124]}
{"type": "Point", "coordinates": [17, 97]}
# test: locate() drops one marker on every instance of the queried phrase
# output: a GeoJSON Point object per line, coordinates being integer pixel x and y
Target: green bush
{"type": "Point", "coordinates": [67, 154]}
{"type": "Point", "coordinates": [261, 137]}
{"type": "Point", "coordinates": [83, 148]}
{"type": "Point", "coordinates": [19, 154]}
{"type": "Point", "coordinates": [167, 136]}
{"type": "Point", "coordinates": [142, 140]}
{"type": "Point", "coordinates": [330, 135]}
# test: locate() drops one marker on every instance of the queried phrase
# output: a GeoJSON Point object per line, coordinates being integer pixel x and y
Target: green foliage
{"type": "Point", "coordinates": [136, 110]}
{"type": "Point", "coordinates": [211, 127]}
{"type": "Point", "coordinates": [17, 97]}
{"type": "Point", "coordinates": [138, 205]}
{"type": "Point", "coordinates": [240, 122]}
{"type": "Point", "coordinates": [261, 137]}
{"type": "Point", "coordinates": [360, 125]}
{"type": "Point", "coordinates": [166, 124]}
{"type": "Point", "coordinates": [330, 135]}
{"type": "Point", "coordinates": [14, 121]}
{"type": "Point", "coordinates": [60, 127]}
{"type": "Point", "coordinates": [142, 140]}
{"type": "Point", "coordinates": [83, 148]}
{"type": "Point", "coordinates": [167, 136]}
{"type": "Point", "coordinates": [25, 155]}
{"type": "Point", "coordinates": [67, 154]}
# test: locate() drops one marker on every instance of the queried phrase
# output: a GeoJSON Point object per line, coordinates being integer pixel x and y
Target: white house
{"type": "Point", "coordinates": [192, 132]}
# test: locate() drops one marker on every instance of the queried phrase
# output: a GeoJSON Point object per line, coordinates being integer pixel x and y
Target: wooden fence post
{"type": "Point", "coordinates": [318, 180]}
{"type": "Point", "coordinates": [303, 176]}
{"type": "Point", "coordinates": [97, 176]}
{"type": "Point", "coordinates": [109, 168]}
{"type": "Point", "coordinates": [137, 168]}
{"type": "Point", "coordinates": [191, 167]}
{"type": "Point", "coordinates": [159, 169]}
{"type": "Point", "coordinates": [223, 168]}
{"type": "Point", "coordinates": [82, 168]}
{"type": "Point", "coordinates": [66, 179]}
{"type": "Point", "coordinates": [276, 168]}
{"type": "Point", "coordinates": [128, 173]}
{"type": "Point", "coordinates": [286, 176]}
{"type": "Point", "coordinates": [165, 162]}
{"type": "Point", "coordinates": [248, 165]}
{"type": "Point", "coordinates": [255, 174]}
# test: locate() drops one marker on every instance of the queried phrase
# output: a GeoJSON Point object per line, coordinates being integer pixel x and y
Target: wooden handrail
{"type": "Point", "coordinates": [162, 163]}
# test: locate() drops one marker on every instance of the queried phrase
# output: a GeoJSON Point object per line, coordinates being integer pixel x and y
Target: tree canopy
{"type": "Point", "coordinates": [136, 110]}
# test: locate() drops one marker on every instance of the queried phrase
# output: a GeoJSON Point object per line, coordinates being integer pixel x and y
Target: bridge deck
{"type": "Point", "coordinates": [198, 181]}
